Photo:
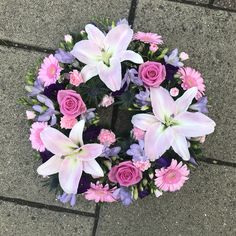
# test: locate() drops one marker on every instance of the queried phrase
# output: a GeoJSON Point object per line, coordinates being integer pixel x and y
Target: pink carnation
{"type": "Point", "coordinates": [138, 134]}
{"type": "Point", "coordinates": [49, 71]}
{"type": "Point", "coordinates": [106, 137]}
{"type": "Point", "coordinates": [98, 193]}
{"type": "Point", "coordinates": [150, 38]}
{"type": "Point", "coordinates": [142, 165]}
{"type": "Point", "coordinates": [171, 178]}
{"type": "Point", "coordinates": [192, 78]}
{"type": "Point", "coordinates": [68, 122]}
{"type": "Point", "coordinates": [107, 100]}
{"type": "Point", "coordinates": [76, 78]}
{"type": "Point", "coordinates": [35, 139]}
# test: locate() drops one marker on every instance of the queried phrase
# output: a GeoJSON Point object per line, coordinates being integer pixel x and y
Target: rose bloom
{"type": "Point", "coordinates": [71, 103]}
{"type": "Point", "coordinates": [152, 73]}
{"type": "Point", "coordinates": [76, 78]}
{"type": "Point", "coordinates": [126, 174]}
{"type": "Point", "coordinates": [106, 137]}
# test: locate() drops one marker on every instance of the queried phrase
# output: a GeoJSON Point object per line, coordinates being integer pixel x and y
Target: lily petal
{"type": "Point", "coordinates": [111, 76]}
{"type": "Point", "coordinates": [185, 100]}
{"type": "Point", "coordinates": [93, 168]}
{"type": "Point", "coordinates": [50, 167]}
{"type": "Point", "coordinates": [180, 146]}
{"type": "Point", "coordinates": [119, 38]}
{"type": "Point", "coordinates": [157, 141]}
{"type": "Point", "coordinates": [95, 35]}
{"type": "Point", "coordinates": [70, 174]}
{"type": "Point", "coordinates": [86, 51]}
{"type": "Point", "coordinates": [194, 124]}
{"type": "Point", "coordinates": [162, 103]}
{"type": "Point", "coordinates": [56, 142]}
{"type": "Point", "coordinates": [129, 55]}
{"type": "Point", "coordinates": [90, 151]}
{"type": "Point", "coordinates": [88, 72]}
{"type": "Point", "coordinates": [76, 134]}
{"type": "Point", "coordinates": [144, 121]}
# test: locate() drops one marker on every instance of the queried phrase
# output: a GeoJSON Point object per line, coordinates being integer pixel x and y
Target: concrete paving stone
{"type": "Point", "coordinates": [228, 4]}
{"type": "Point", "coordinates": [18, 177]}
{"type": "Point", "coordinates": [19, 220]}
{"type": "Point", "coordinates": [209, 37]}
{"type": "Point", "coordinates": [204, 206]}
{"type": "Point", "coordinates": [44, 23]}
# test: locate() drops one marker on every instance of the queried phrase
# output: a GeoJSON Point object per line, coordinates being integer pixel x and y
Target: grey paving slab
{"type": "Point", "coordinates": [204, 206]}
{"type": "Point", "coordinates": [26, 221]}
{"type": "Point", "coordinates": [228, 4]}
{"type": "Point", "coordinates": [44, 23]}
{"type": "Point", "coordinates": [209, 37]}
{"type": "Point", "coordinates": [18, 177]}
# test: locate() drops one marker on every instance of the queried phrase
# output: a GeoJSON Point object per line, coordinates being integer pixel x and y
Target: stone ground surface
{"type": "Point", "coordinates": [205, 206]}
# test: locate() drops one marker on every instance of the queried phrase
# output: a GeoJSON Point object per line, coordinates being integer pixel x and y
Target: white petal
{"type": "Point", "coordinates": [90, 151]}
{"type": "Point", "coordinates": [56, 142]}
{"type": "Point", "coordinates": [162, 103]}
{"type": "Point", "coordinates": [50, 167]}
{"type": "Point", "coordinates": [86, 51]}
{"type": "Point", "coordinates": [185, 100]}
{"type": "Point", "coordinates": [157, 141]}
{"type": "Point", "coordinates": [194, 124]}
{"type": "Point", "coordinates": [111, 76]}
{"type": "Point", "coordinates": [88, 72]}
{"type": "Point", "coordinates": [180, 146]}
{"type": "Point", "coordinates": [143, 121]}
{"type": "Point", "coordinates": [76, 134]}
{"type": "Point", "coordinates": [93, 168]}
{"type": "Point", "coordinates": [129, 55]}
{"type": "Point", "coordinates": [95, 35]}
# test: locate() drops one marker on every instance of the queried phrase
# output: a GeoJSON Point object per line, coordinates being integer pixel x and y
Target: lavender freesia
{"type": "Point", "coordinates": [201, 105]}
{"type": "Point", "coordinates": [110, 152]}
{"type": "Point", "coordinates": [64, 198]}
{"type": "Point", "coordinates": [124, 195]}
{"type": "Point", "coordinates": [36, 89]}
{"type": "Point", "coordinates": [63, 56]}
{"type": "Point", "coordinates": [137, 151]}
{"type": "Point", "coordinates": [143, 98]}
{"type": "Point", "coordinates": [173, 59]}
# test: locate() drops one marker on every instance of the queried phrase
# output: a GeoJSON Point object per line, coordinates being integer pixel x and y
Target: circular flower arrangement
{"type": "Point", "coordinates": [108, 64]}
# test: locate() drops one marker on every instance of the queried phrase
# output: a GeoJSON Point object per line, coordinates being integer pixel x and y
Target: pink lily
{"type": "Point", "coordinates": [171, 123]}
{"type": "Point", "coordinates": [71, 157]}
{"type": "Point", "coordinates": [103, 54]}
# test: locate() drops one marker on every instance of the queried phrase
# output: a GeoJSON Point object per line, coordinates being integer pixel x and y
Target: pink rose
{"type": "Point", "coordinates": [71, 103]}
{"type": "Point", "coordinates": [126, 174]}
{"type": "Point", "coordinates": [152, 73]}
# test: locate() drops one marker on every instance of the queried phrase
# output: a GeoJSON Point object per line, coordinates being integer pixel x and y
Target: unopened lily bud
{"type": "Point", "coordinates": [107, 164]}
{"type": "Point", "coordinates": [135, 193]}
{"type": "Point", "coordinates": [144, 182]}
{"type": "Point", "coordinates": [151, 175]}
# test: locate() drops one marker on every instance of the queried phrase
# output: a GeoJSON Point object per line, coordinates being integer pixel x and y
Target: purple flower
{"type": "Point", "coordinates": [143, 98]}
{"type": "Point", "coordinates": [52, 90]}
{"type": "Point", "coordinates": [64, 198]}
{"type": "Point", "coordinates": [173, 59]}
{"type": "Point", "coordinates": [110, 152]}
{"type": "Point", "coordinates": [143, 193]}
{"type": "Point", "coordinates": [201, 105]}
{"type": "Point", "coordinates": [170, 71]}
{"type": "Point", "coordinates": [124, 195]}
{"type": "Point", "coordinates": [84, 183]}
{"type": "Point", "coordinates": [63, 56]}
{"type": "Point", "coordinates": [132, 76]}
{"type": "Point", "coordinates": [46, 155]}
{"type": "Point", "coordinates": [89, 114]}
{"type": "Point", "coordinates": [91, 133]}
{"type": "Point", "coordinates": [36, 89]}
{"type": "Point", "coordinates": [137, 151]}
{"type": "Point", "coordinates": [163, 162]}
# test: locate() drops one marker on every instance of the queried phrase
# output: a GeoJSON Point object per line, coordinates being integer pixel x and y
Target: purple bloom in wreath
{"type": "Point", "coordinates": [143, 98]}
{"type": "Point", "coordinates": [124, 195]}
{"type": "Point", "coordinates": [110, 152]}
{"type": "Point", "coordinates": [88, 114]}
{"type": "Point", "coordinates": [143, 193]}
{"type": "Point", "coordinates": [84, 183]}
{"type": "Point", "coordinates": [52, 90]}
{"type": "Point", "coordinates": [173, 59]}
{"type": "Point", "coordinates": [46, 155]}
{"type": "Point", "coordinates": [91, 133]}
{"type": "Point", "coordinates": [64, 198]}
{"type": "Point", "coordinates": [63, 56]}
{"type": "Point", "coordinates": [36, 89]}
{"type": "Point", "coordinates": [137, 151]}
{"type": "Point", "coordinates": [163, 162]}
{"type": "Point", "coordinates": [201, 105]}
{"type": "Point", "coordinates": [132, 76]}
{"type": "Point", "coordinates": [170, 71]}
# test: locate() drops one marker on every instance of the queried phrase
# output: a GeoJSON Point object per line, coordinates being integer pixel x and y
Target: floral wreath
{"type": "Point", "coordinates": [107, 64]}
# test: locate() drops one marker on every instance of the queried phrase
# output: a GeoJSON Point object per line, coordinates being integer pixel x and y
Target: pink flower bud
{"type": "Point", "coordinates": [174, 92]}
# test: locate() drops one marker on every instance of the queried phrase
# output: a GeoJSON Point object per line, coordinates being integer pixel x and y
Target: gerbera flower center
{"type": "Point", "coordinates": [190, 82]}
{"type": "Point", "coordinates": [51, 71]}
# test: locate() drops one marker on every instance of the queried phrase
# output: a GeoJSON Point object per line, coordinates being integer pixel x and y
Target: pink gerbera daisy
{"type": "Point", "coordinates": [192, 78]}
{"type": "Point", "coordinates": [35, 139]}
{"type": "Point", "coordinates": [49, 71]}
{"type": "Point", "coordinates": [98, 193]}
{"type": "Point", "coordinates": [150, 38]}
{"type": "Point", "coordinates": [173, 177]}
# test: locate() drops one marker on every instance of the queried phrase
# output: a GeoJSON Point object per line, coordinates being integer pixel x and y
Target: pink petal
{"type": "Point", "coordinates": [93, 168]}
{"type": "Point", "coordinates": [90, 151]}
{"type": "Point", "coordinates": [157, 140]}
{"type": "Point", "coordinates": [56, 142]}
{"type": "Point", "coordinates": [70, 174]}
{"type": "Point", "coordinates": [185, 100]}
{"type": "Point", "coordinates": [95, 35]}
{"type": "Point", "coordinates": [50, 167]}
{"type": "Point", "coordinates": [194, 124]}
{"type": "Point", "coordinates": [143, 121]}
{"type": "Point", "coordinates": [88, 72]}
{"type": "Point", "coordinates": [76, 134]}
{"type": "Point", "coordinates": [86, 51]}
{"type": "Point", "coordinates": [162, 103]}
{"type": "Point", "coordinates": [119, 38]}
{"type": "Point", "coordinates": [111, 76]}
{"type": "Point", "coordinates": [129, 55]}
{"type": "Point", "coordinates": [180, 146]}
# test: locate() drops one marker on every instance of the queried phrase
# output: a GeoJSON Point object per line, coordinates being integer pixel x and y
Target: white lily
{"type": "Point", "coordinates": [171, 123]}
{"type": "Point", "coordinates": [70, 159]}
{"type": "Point", "coordinates": [103, 54]}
